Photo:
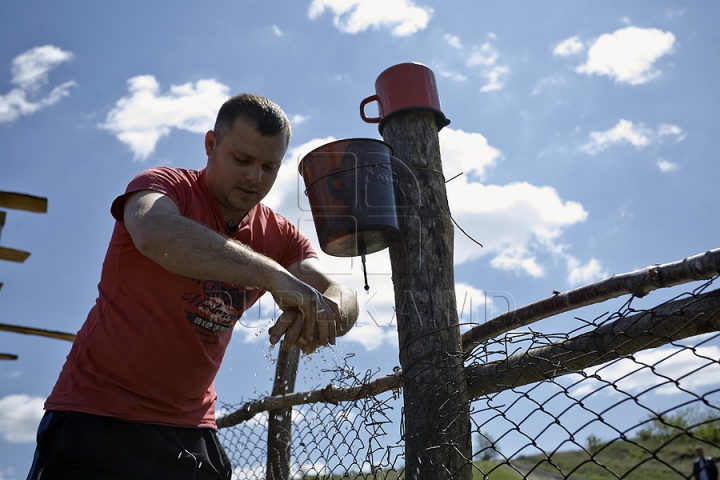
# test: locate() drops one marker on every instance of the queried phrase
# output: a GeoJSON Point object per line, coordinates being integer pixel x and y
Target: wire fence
{"type": "Point", "coordinates": [628, 393]}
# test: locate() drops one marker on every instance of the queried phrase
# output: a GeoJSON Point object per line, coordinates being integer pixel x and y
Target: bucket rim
{"type": "Point", "coordinates": [342, 140]}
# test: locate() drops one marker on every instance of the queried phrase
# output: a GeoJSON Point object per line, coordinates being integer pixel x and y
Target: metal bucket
{"type": "Point", "coordinates": [349, 184]}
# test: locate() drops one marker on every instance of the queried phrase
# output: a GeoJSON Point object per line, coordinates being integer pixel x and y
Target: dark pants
{"type": "Point", "coordinates": [72, 445]}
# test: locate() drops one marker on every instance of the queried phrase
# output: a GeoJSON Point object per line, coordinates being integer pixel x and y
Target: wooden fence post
{"type": "Point", "coordinates": [436, 400]}
{"type": "Point", "coordinates": [280, 420]}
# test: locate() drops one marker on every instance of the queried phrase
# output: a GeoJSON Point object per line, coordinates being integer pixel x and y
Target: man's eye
{"type": "Point", "coordinates": [271, 167]}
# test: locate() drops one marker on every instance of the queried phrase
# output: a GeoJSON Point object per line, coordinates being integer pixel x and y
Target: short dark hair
{"type": "Point", "coordinates": [268, 117]}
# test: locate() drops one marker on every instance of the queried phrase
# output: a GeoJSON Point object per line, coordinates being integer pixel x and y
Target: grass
{"type": "Point", "coordinates": [492, 471]}
{"type": "Point", "coordinates": [650, 459]}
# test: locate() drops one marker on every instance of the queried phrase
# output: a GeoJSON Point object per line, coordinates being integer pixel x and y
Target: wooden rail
{"type": "Point", "coordinates": [21, 201]}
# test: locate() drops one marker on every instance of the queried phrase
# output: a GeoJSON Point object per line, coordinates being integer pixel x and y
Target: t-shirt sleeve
{"type": "Point", "coordinates": [161, 179]}
{"type": "Point", "coordinates": [297, 247]}
{"type": "Point", "coordinates": [277, 237]}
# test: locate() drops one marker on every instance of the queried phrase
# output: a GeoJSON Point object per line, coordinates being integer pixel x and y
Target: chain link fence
{"type": "Point", "coordinates": [628, 393]}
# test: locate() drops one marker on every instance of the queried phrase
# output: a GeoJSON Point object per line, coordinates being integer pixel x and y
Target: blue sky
{"type": "Point", "coordinates": [584, 132]}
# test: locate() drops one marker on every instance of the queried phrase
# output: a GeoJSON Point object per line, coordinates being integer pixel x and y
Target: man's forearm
{"type": "Point", "coordinates": [185, 247]}
{"type": "Point", "coordinates": [347, 302]}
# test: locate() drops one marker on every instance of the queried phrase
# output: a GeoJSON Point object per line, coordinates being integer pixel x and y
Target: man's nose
{"type": "Point", "coordinates": [253, 174]}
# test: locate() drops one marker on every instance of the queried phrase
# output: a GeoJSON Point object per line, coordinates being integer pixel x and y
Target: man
{"type": "Point", "coordinates": [704, 468]}
{"type": "Point", "coordinates": [191, 250]}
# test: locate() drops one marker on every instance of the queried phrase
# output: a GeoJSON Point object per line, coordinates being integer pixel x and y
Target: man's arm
{"type": "Point", "coordinates": [185, 247]}
{"type": "Point", "coordinates": [309, 271]}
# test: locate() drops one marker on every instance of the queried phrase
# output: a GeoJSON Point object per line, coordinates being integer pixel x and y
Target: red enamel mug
{"type": "Point", "coordinates": [404, 86]}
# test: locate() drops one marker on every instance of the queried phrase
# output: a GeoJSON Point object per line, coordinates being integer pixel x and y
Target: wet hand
{"type": "Point", "coordinates": [307, 331]}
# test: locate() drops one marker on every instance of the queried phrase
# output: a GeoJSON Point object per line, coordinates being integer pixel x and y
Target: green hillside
{"type": "Point", "coordinates": [663, 449]}
{"type": "Point", "coordinates": [650, 460]}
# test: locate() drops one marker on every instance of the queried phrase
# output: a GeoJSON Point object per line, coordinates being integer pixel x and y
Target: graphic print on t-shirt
{"type": "Point", "coordinates": [217, 308]}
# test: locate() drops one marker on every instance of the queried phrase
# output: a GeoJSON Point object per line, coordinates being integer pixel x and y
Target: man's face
{"type": "Point", "coordinates": [242, 167]}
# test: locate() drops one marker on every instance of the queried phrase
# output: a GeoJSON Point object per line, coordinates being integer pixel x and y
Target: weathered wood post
{"type": "Point", "coordinates": [436, 401]}
{"type": "Point", "coordinates": [280, 420]}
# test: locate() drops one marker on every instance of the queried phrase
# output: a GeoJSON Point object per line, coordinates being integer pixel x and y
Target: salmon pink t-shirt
{"type": "Point", "coordinates": [153, 343]}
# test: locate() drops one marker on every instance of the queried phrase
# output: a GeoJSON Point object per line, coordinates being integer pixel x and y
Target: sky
{"type": "Point", "coordinates": [580, 138]}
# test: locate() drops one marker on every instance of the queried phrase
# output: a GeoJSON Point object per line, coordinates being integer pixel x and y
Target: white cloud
{"type": "Point", "coordinates": [514, 222]}
{"type": "Point", "coordinates": [626, 132]}
{"type": "Point", "coordinates": [495, 78]}
{"type": "Point", "coordinates": [453, 41]}
{"type": "Point", "coordinates": [276, 30]}
{"type": "Point", "coordinates": [628, 55]}
{"type": "Point", "coordinates": [470, 152]}
{"type": "Point", "coordinates": [298, 119]}
{"type": "Point", "coordinates": [15, 103]}
{"type": "Point", "coordinates": [666, 166]}
{"type": "Point", "coordinates": [249, 473]}
{"type": "Point", "coordinates": [457, 77]}
{"type": "Point", "coordinates": [256, 320]}
{"type": "Point", "coordinates": [19, 417]}
{"type": "Point", "coordinates": [372, 337]}
{"type": "Point", "coordinates": [484, 55]}
{"type": "Point", "coordinates": [689, 366]}
{"type": "Point", "coordinates": [314, 469]}
{"type": "Point", "coordinates": [354, 16]}
{"type": "Point", "coordinates": [30, 71]}
{"type": "Point", "coordinates": [665, 129]}
{"type": "Point", "coordinates": [570, 46]}
{"type": "Point", "coordinates": [518, 258]}
{"type": "Point", "coordinates": [476, 306]}
{"type": "Point", "coordinates": [284, 196]}
{"type": "Point", "coordinates": [141, 118]}
{"type": "Point", "coordinates": [547, 82]}
{"type": "Point", "coordinates": [376, 325]}
{"type": "Point", "coordinates": [676, 13]}
{"type": "Point", "coordinates": [7, 474]}
{"type": "Point", "coordinates": [584, 274]}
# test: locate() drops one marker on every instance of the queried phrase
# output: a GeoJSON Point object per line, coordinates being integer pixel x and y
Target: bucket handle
{"type": "Point", "coordinates": [343, 170]}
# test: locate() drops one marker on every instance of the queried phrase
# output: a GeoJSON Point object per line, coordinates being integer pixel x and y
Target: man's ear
{"type": "Point", "coordinates": [210, 142]}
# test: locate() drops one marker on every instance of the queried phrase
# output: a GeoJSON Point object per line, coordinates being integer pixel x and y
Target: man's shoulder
{"type": "Point", "coordinates": [178, 183]}
{"type": "Point", "coordinates": [163, 178]}
{"type": "Point", "coordinates": [170, 173]}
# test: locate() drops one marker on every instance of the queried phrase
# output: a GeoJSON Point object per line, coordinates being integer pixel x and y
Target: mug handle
{"type": "Point", "coordinates": [373, 98]}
